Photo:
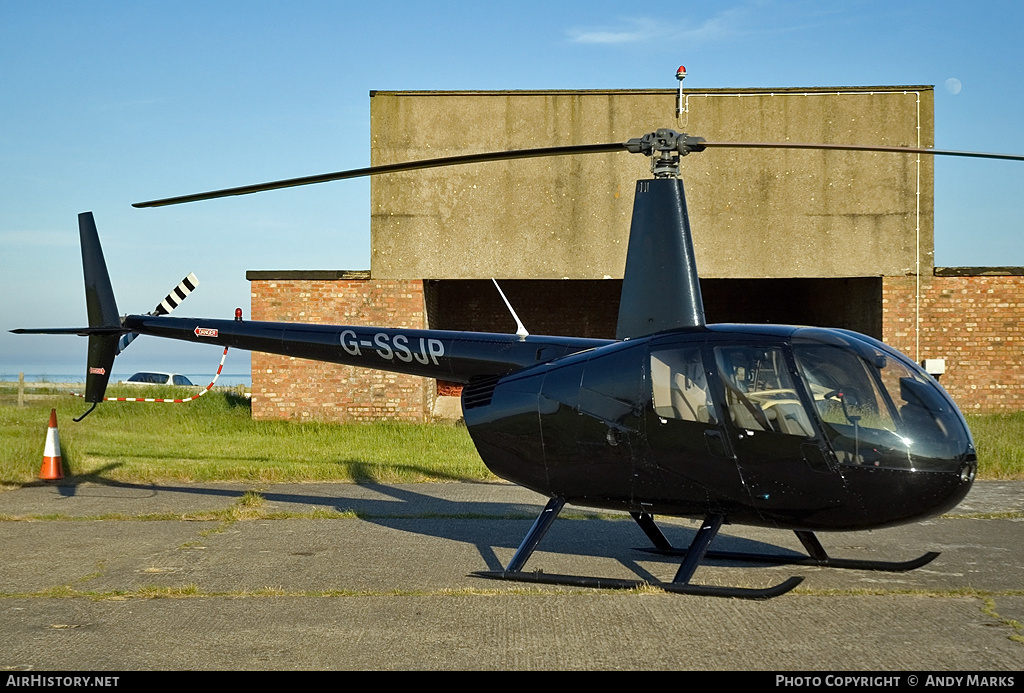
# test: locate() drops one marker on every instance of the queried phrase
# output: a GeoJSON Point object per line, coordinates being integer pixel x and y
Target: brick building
{"type": "Point", "coordinates": [291, 388]}
{"type": "Point", "coordinates": [973, 319]}
{"type": "Point", "coordinates": [835, 239]}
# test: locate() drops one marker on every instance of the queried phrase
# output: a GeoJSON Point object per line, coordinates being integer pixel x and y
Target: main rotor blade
{"type": "Point", "coordinates": [542, 151]}
{"type": "Point", "coordinates": [863, 148]}
{"type": "Point", "coordinates": [389, 168]}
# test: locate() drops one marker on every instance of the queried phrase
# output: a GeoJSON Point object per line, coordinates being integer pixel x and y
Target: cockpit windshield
{"type": "Point", "coordinates": [878, 411]}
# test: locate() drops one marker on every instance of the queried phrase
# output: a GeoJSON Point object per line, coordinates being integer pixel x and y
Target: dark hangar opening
{"type": "Point", "coordinates": [589, 307]}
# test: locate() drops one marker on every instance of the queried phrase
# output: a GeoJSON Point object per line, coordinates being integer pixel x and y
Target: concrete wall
{"type": "Point", "coordinates": [754, 213]}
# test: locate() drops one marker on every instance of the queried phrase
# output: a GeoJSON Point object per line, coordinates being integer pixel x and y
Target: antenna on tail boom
{"type": "Point", "coordinates": [520, 329]}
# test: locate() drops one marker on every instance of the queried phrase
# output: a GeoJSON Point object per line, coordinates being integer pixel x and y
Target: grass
{"type": "Point", "coordinates": [215, 439]}
{"type": "Point", "coordinates": [1000, 442]}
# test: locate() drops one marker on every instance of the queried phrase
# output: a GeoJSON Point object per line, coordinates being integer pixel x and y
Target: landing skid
{"type": "Point", "coordinates": [611, 583]}
{"type": "Point", "coordinates": [817, 554]}
{"type": "Point", "coordinates": [681, 584]}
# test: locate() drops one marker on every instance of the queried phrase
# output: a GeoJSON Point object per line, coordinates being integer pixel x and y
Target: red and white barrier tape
{"type": "Point", "coordinates": [169, 401]}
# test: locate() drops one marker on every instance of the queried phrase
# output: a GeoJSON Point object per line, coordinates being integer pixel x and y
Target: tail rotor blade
{"type": "Point", "coordinates": [177, 295]}
{"type": "Point", "coordinates": [125, 340]}
{"type": "Point", "coordinates": [174, 299]}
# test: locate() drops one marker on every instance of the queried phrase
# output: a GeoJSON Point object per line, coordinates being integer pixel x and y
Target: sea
{"type": "Point", "coordinates": [199, 379]}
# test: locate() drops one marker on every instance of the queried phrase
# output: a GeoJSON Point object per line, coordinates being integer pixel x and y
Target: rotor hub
{"type": "Point", "coordinates": [665, 146]}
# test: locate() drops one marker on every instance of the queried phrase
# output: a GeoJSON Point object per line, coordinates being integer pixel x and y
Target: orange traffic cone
{"type": "Point", "coordinates": [52, 469]}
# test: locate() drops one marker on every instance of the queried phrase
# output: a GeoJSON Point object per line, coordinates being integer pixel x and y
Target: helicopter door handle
{"type": "Point", "coordinates": [816, 459]}
{"type": "Point", "coordinates": [715, 442]}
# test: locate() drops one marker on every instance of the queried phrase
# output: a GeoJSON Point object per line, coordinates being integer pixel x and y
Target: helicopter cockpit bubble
{"type": "Point", "coordinates": [877, 408]}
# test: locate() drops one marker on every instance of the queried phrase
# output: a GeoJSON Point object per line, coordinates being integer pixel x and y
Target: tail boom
{"type": "Point", "coordinates": [447, 355]}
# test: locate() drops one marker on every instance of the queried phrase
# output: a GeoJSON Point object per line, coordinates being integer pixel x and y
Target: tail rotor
{"type": "Point", "coordinates": [174, 299]}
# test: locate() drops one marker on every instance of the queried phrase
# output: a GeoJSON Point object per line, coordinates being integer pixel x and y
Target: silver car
{"type": "Point", "coordinates": [150, 378]}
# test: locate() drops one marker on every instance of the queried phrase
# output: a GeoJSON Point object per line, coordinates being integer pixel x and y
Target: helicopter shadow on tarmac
{"type": "Point", "coordinates": [491, 517]}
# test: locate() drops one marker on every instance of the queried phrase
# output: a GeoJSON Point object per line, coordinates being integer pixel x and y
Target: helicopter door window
{"type": "Point", "coordinates": [680, 386]}
{"type": "Point", "coordinates": [759, 391]}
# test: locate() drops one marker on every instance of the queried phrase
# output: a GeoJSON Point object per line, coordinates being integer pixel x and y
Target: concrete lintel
{"type": "Point", "coordinates": [979, 271]}
{"type": "Point", "coordinates": [691, 92]}
{"type": "Point", "coordinates": [300, 275]}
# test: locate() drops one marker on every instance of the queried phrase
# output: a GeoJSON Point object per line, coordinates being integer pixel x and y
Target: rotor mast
{"type": "Point", "coordinates": [660, 285]}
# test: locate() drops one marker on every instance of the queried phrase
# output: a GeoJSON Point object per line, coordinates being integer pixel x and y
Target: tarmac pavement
{"type": "Point", "coordinates": [141, 577]}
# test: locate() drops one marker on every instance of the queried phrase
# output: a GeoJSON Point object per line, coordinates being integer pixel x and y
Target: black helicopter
{"type": "Point", "coordinates": [798, 428]}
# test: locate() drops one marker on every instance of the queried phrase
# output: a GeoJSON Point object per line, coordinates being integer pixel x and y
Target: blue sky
{"type": "Point", "coordinates": [107, 103]}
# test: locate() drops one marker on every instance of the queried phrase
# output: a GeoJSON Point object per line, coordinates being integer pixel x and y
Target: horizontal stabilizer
{"type": "Point", "coordinates": [80, 331]}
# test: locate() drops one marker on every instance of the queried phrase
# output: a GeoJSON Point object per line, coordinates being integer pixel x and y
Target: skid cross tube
{"type": "Point", "coordinates": [680, 584]}
{"type": "Point", "coordinates": [817, 554]}
{"type": "Point", "coordinates": [698, 547]}
{"type": "Point", "coordinates": [540, 527]}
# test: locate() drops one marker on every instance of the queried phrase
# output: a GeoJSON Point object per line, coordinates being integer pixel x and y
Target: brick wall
{"type": "Point", "coordinates": [974, 322]}
{"type": "Point", "coordinates": [291, 388]}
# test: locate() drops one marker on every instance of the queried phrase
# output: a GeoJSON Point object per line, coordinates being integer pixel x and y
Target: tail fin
{"type": "Point", "coordinates": [660, 287]}
{"type": "Point", "coordinates": [102, 309]}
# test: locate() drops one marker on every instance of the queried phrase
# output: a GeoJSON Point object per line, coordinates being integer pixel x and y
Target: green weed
{"type": "Point", "coordinates": [999, 437]}
{"type": "Point", "coordinates": [215, 439]}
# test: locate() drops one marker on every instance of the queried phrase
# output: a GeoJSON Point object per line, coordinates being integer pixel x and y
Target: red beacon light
{"type": "Point", "coordinates": [680, 103]}
{"type": "Point", "coordinates": [238, 314]}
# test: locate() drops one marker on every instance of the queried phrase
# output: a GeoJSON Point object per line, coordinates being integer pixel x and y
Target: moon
{"type": "Point", "coordinates": [953, 86]}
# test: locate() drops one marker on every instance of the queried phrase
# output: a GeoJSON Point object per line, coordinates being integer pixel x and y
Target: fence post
{"type": "Point", "coordinates": [21, 389]}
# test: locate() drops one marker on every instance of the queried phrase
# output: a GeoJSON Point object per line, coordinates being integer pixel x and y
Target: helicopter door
{"type": "Point", "coordinates": [590, 414]}
{"type": "Point", "coordinates": [777, 447]}
{"type": "Point", "coordinates": [689, 463]}
{"type": "Point", "coordinates": [610, 418]}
